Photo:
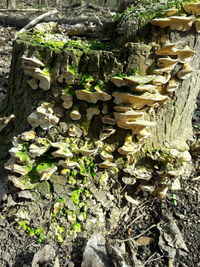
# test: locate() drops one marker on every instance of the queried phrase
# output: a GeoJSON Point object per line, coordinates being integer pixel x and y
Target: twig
{"type": "Point", "coordinates": [98, 19]}
{"type": "Point", "coordinates": [137, 236]}
{"type": "Point", "coordinates": [150, 259]}
{"type": "Point", "coordinates": [37, 20]}
{"type": "Point", "coordinates": [137, 218]}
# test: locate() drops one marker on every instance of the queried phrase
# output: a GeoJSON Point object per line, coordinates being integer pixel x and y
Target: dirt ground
{"type": "Point", "coordinates": [148, 236]}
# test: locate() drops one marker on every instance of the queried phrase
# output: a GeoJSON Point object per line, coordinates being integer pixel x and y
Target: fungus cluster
{"type": "Point", "coordinates": [34, 68]}
{"type": "Point", "coordinates": [181, 22]}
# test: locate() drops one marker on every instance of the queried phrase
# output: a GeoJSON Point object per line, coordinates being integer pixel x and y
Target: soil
{"type": "Point", "coordinates": [19, 249]}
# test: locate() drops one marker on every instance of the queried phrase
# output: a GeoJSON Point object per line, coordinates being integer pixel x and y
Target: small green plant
{"type": "Point", "coordinates": [31, 231]}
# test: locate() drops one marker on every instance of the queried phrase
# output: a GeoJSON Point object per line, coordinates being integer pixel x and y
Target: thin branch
{"type": "Point", "coordinates": [137, 236]}
{"type": "Point", "coordinates": [150, 259]}
{"type": "Point", "coordinates": [37, 20]}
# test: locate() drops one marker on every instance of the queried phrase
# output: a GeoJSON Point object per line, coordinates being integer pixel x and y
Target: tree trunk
{"type": "Point", "coordinates": [11, 4]}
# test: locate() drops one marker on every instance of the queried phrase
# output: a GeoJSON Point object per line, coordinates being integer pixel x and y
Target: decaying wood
{"type": "Point", "coordinates": [37, 20]}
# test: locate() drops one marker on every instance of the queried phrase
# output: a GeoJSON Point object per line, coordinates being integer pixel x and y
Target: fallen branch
{"type": "Point", "coordinates": [22, 10]}
{"type": "Point", "coordinates": [37, 20]}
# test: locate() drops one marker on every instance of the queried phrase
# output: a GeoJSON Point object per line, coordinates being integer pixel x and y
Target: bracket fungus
{"type": "Point", "coordinates": [92, 97]}
{"type": "Point", "coordinates": [31, 61]}
{"type": "Point", "coordinates": [139, 79]}
{"type": "Point", "coordinates": [161, 79]}
{"type": "Point", "coordinates": [33, 83]}
{"type": "Point", "coordinates": [75, 114]}
{"type": "Point", "coordinates": [5, 120]}
{"type": "Point", "coordinates": [166, 62]}
{"type": "Point", "coordinates": [67, 75]}
{"type": "Point", "coordinates": [31, 68]}
{"type": "Point", "coordinates": [39, 147]}
{"type": "Point", "coordinates": [185, 54]}
{"type": "Point", "coordinates": [161, 22]}
{"type": "Point", "coordinates": [192, 8]}
{"type": "Point", "coordinates": [91, 112]}
{"type": "Point", "coordinates": [185, 72]}
{"type": "Point", "coordinates": [181, 23]}
{"type": "Point", "coordinates": [123, 107]}
{"type": "Point", "coordinates": [67, 99]}
{"type": "Point", "coordinates": [119, 82]}
{"type": "Point", "coordinates": [168, 49]}
{"type": "Point", "coordinates": [139, 101]}
{"type": "Point", "coordinates": [172, 85]}
{"type": "Point", "coordinates": [108, 120]}
{"type": "Point", "coordinates": [145, 88]}
{"type": "Point", "coordinates": [107, 165]}
{"type": "Point", "coordinates": [106, 132]}
{"type": "Point", "coordinates": [129, 146]}
{"type": "Point", "coordinates": [43, 116]}
{"type": "Point", "coordinates": [197, 25]}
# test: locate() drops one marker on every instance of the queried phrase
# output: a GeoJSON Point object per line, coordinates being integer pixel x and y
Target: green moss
{"type": "Point", "coordinates": [76, 227]}
{"type": "Point", "coordinates": [145, 10]}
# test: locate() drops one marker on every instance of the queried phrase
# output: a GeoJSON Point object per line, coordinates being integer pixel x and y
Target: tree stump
{"type": "Point", "coordinates": [94, 116]}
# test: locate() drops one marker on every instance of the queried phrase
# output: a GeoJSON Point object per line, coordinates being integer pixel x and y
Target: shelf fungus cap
{"type": "Point", "coordinates": [5, 120]}
{"type": "Point", "coordinates": [27, 136]}
{"type": "Point", "coordinates": [41, 146]}
{"type": "Point", "coordinates": [62, 153]}
{"type": "Point", "coordinates": [108, 120]}
{"type": "Point", "coordinates": [163, 71]}
{"type": "Point", "coordinates": [44, 78]}
{"type": "Point", "coordinates": [33, 83]}
{"type": "Point", "coordinates": [197, 25]}
{"type": "Point", "coordinates": [139, 101]}
{"type": "Point", "coordinates": [166, 62]}
{"type": "Point", "coordinates": [107, 165]}
{"type": "Point", "coordinates": [119, 82]}
{"type": "Point", "coordinates": [67, 104]}
{"type": "Point", "coordinates": [145, 88]}
{"type": "Point", "coordinates": [123, 108]}
{"type": "Point", "coordinates": [139, 79]}
{"type": "Point", "coordinates": [185, 54]}
{"type": "Point", "coordinates": [75, 115]}
{"type": "Point", "coordinates": [106, 156]}
{"type": "Point", "coordinates": [185, 72]}
{"type": "Point", "coordinates": [106, 132]}
{"type": "Point", "coordinates": [138, 125]}
{"type": "Point", "coordinates": [172, 85]}
{"type": "Point", "coordinates": [129, 148]}
{"type": "Point", "coordinates": [123, 118]}
{"type": "Point", "coordinates": [161, 79]}
{"type": "Point", "coordinates": [92, 97]}
{"type": "Point", "coordinates": [168, 49]}
{"type": "Point", "coordinates": [171, 12]}
{"type": "Point", "coordinates": [47, 173]}
{"type": "Point", "coordinates": [144, 134]}
{"type": "Point", "coordinates": [16, 168]}
{"type": "Point", "coordinates": [91, 112]}
{"type": "Point", "coordinates": [181, 23]}
{"type": "Point", "coordinates": [31, 61]}
{"type": "Point", "coordinates": [161, 22]}
{"type": "Point", "coordinates": [192, 8]}
{"type": "Point", "coordinates": [68, 164]}
{"type": "Point", "coordinates": [43, 117]}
